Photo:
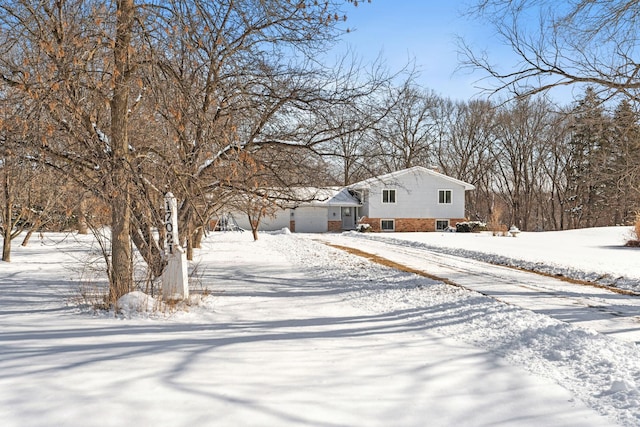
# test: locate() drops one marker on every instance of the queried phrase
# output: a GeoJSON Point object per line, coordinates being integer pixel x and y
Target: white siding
{"type": "Point", "coordinates": [335, 213]}
{"type": "Point", "coordinates": [364, 198]}
{"type": "Point", "coordinates": [416, 197]}
{"type": "Point", "coordinates": [279, 221]}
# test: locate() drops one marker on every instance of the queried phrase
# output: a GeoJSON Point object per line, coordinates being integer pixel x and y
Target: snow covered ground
{"type": "Point", "coordinates": [594, 257]}
{"type": "Point", "coordinates": [294, 332]}
{"type": "Point", "coordinates": [593, 254]}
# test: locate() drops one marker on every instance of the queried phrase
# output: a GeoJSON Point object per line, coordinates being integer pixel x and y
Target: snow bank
{"type": "Point", "coordinates": [601, 371]}
{"type": "Point", "coordinates": [135, 303]}
{"type": "Point", "coordinates": [596, 254]}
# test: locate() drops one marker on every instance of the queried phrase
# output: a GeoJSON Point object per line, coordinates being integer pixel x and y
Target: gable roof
{"type": "Point", "coordinates": [367, 183]}
{"type": "Point", "coordinates": [331, 196]}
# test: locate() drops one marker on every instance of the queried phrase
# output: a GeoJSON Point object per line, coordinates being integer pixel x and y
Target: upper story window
{"type": "Point", "coordinates": [444, 196]}
{"type": "Point", "coordinates": [388, 196]}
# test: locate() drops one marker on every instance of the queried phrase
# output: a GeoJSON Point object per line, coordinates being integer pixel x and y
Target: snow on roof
{"type": "Point", "coordinates": [413, 170]}
{"type": "Point", "coordinates": [328, 196]}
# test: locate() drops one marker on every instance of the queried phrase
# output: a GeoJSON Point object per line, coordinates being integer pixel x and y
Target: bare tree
{"type": "Point", "coordinates": [137, 97]}
{"type": "Point", "coordinates": [586, 42]}
{"type": "Point", "coordinates": [251, 193]}
{"type": "Point", "coordinates": [521, 140]}
{"type": "Point", "coordinates": [12, 221]}
{"type": "Point", "coordinates": [249, 92]}
{"type": "Point", "coordinates": [407, 135]}
{"type": "Point", "coordinates": [352, 148]}
{"type": "Point", "coordinates": [554, 199]}
{"type": "Point", "coordinates": [17, 171]}
{"type": "Point", "coordinates": [589, 45]}
{"type": "Point", "coordinates": [465, 136]}
{"type": "Point", "coordinates": [73, 60]}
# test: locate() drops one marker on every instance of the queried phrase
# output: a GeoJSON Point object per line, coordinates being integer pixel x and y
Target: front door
{"type": "Point", "coordinates": [348, 218]}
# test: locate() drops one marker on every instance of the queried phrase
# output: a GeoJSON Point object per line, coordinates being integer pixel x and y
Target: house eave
{"type": "Point", "coordinates": [368, 183]}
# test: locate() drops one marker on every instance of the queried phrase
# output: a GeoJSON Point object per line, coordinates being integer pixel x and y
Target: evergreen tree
{"type": "Point", "coordinates": [625, 161]}
{"type": "Point", "coordinates": [588, 172]}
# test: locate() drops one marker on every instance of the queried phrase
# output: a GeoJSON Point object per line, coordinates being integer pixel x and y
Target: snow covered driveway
{"type": "Point", "coordinates": [586, 306]}
{"type": "Point", "coordinates": [296, 333]}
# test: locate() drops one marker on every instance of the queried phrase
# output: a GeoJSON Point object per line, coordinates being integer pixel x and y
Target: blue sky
{"type": "Point", "coordinates": [424, 31]}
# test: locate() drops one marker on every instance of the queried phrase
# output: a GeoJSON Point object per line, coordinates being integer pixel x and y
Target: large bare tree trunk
{"type": "Point", "coordinates": [149, 250]}
{"type": "Point", "coordinates": [6, 245]}
{"type": "Point", "coordinates": [7, 215]}
{"type": "Point", "coordinates": [199, 234]}
{"type": "Point", "coordinates": [26, 239]}
{"type": "Point", "coordinates": [121, 253]}
{"type": "Point", "coordinates": [190, 237]}
{"type": "Point", "coordinates": [6, 227]}
{"type": "Point", "coordinates": [83, 226]}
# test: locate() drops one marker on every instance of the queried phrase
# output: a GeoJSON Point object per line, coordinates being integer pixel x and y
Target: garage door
{"type": "Point", "coordinates": [311, 220]}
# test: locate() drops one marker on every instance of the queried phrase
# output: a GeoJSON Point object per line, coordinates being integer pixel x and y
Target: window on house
{"type": "Point", "coordinates": [388, 196]}
{"type": "Point", "coordinates": [387, 225]}
{"type": "Point", "coordinates": [444, 196]}
{"type": "Point", "coordinates": [442, 224]}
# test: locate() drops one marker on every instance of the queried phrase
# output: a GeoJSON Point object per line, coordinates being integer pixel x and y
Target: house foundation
{"type": "Point", "coordinates": [409, 224]}
{"type": "Point", "coordinates": [334, 226]}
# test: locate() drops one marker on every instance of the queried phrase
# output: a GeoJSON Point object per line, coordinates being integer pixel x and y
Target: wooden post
{"type": "Point", "coordinates": [175, 281]}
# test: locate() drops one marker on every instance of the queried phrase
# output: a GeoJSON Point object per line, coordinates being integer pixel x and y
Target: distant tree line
{"type": "Point", "coordinates": [536, 165]}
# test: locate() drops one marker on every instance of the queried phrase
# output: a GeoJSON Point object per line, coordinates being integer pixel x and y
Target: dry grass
{"type": "Point", "coordinates": [635, 243]}
{"type": "Point", "coordinates": [495, 224]}
{"type": "Point", "coordinates": [90, 295]}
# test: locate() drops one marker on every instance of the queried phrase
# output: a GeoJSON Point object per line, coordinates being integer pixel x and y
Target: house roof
{"type": "Point", "coordinates": [331, 196]}
{"type": "Point", "coordinates": [367, 183]}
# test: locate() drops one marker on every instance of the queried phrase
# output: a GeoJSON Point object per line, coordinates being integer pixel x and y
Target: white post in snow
{"type": "Point", "coordinates": [175, 281]}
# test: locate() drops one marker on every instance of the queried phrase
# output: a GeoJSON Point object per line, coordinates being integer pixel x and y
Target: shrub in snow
{"type": "Point", "coordinates": [470, 226]}
{"type": "Point", "coordinates": [363, 228]}
{"type": "Point", "coordinates": [635, 243]}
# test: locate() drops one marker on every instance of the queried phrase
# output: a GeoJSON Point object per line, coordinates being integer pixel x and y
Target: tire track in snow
{"type": "Point", "coordinates": [596, 308]}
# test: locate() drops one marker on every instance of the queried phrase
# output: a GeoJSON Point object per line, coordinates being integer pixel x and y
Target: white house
{"type": "Point", "coordinates": [414, 199]}
{"type": "Point", "coordinates": [320, 210]}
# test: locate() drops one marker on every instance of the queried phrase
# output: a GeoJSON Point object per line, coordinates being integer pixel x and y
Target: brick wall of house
{"type": "Point", "coordinates": [415, 224]}
{"type": "Point", "coordinates": [410, 224]}
{"type": "Point", "coordinates": [373, 222]}
{"type": "Point", "coordinates": [334, 225]}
